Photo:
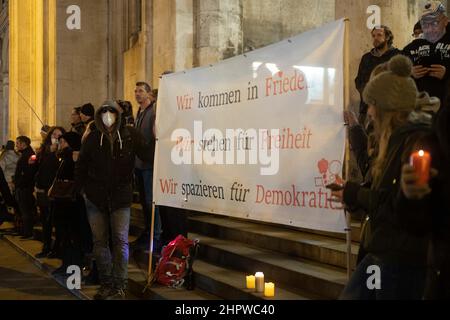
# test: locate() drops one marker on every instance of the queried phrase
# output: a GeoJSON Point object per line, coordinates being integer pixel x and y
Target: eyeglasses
{"type": "Point", "coordinates": [106, 109]}
{"type": "Point", "coordinates": [431, 24]}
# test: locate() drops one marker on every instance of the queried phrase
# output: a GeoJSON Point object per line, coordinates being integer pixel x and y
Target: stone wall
{"type": "Point", "coordinates": [278, 20]}
{"type": "Point", "coordinates": [82, 57]}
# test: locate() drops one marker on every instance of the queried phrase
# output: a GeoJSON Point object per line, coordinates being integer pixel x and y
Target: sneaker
{"type": "Point", "coordinates": [104, 292]}
{"type": "Point", "coordinates": [116, 294]}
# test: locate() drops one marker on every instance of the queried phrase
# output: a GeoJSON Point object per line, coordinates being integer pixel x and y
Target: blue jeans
{"type": "Point", "coordinates": [112, 266]}
{"type": "Point", "coordinates": [144, 180]}
{"type": "Point", "coordinates": [398, 281]}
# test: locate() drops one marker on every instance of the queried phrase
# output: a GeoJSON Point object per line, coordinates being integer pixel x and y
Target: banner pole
{"type": "Point", "coordinates": [150, 253]}
{"type": "Point", "coordinates": [347, 146]}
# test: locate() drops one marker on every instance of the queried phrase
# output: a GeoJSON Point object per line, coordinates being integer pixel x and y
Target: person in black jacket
{"type": "Point", "coordinates": [67, 212]}
{"type": "Point", "coordinates": [431, 53]}
{"type": "Point", "coordinates": [104, 171]}
{"type": "Point", "coordinates": [47, 165]}
{"type": "Point", "coordinates": [438, 280]}
{"type": "Point", "coordinates": [24, 185]}
{"type": "Point", "coordinates": [382, 52]}
{"type": "Point", "coordinates": [399, 235]}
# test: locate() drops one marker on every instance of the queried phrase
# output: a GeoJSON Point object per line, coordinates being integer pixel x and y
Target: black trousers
{"type": "Point", "coordinates": [27, 206]}
{"type": "Point", "coordinates": [47, 227]}
{"type": "Point", "coordinates": [68, 225]}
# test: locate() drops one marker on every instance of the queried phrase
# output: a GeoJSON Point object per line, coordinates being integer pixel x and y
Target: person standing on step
{"type": "Point", "coordinates": [145, 124]}
{"type": "Point", "coordinates": [47, 165]}
{"type": "Point", "coordinates": [24, 185]}
{"type": "Point", "coordinates": [383, 50]}
{"type": "Point", "coordinates": [104, 171]}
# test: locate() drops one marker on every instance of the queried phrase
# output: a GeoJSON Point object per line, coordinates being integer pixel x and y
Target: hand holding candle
{"type": "Point", "coordinates": [421, 162]}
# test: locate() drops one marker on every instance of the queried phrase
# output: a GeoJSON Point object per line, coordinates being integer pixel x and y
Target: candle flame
{"type": "Point", "coordinates": [421, 153]}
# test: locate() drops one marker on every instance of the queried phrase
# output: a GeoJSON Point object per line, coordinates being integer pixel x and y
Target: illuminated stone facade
{"type": "Point", "coordinates": [61, 57]}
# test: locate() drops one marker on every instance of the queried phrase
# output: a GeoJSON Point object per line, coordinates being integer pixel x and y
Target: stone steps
{"type": "Point", "coordinates": [303, 275]}
{"type": "Point", "coordinates": [137, 222]}
{"type": "Point", "coordinates": [276, 238]}
{"type": "Point", "coordinates": [308, 264]}
{"type": "Point", "coordinates": [230, 284]}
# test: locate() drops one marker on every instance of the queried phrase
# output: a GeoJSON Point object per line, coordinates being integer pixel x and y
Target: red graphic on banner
{"type": "Point", "coordinates": [330, 172]}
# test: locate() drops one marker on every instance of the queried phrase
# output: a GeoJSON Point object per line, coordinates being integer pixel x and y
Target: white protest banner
{"type": "Point", "coordinates": [257, 136]}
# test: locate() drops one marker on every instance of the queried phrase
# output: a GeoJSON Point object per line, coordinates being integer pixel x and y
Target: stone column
{"type": "Point", "coordinates": [400, 16]}
{"type": "Point", "coordinates": [5, 87]}
{"type": "Point", "coordinates": [173, 35]}
{"type": "Point", "coordinates": [219, 30]}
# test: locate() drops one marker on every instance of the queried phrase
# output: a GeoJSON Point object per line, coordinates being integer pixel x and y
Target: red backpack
{"type": "Point", "coordinates": [174, 268]}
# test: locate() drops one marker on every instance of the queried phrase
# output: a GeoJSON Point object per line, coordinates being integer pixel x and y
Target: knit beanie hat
{"type": "Point", "coordinates": [73, 139]}
{"type": "Point", "coordinates": [88, 110]}
{"type": "Point", "coordinates": [393, 90]}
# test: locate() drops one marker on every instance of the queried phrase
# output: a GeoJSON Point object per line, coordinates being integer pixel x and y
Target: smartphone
{"type": "Point", "coordinates": [335, 187]}
{"type": "Point", "coordinates": [426, 61]}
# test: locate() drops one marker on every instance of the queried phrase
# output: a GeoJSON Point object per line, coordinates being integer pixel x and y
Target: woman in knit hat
{"type": "Point", "coordinates": [399, 229]}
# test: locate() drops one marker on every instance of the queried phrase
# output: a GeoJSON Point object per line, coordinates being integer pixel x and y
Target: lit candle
{"type": "Point", "coordinates": [251, 282]}
{"type": "Point", "coordinates": [421, 161]}
{"type": "Point", "coordinates": [259, 282]}
{"type": "Point", "coordinates": [269, 290]}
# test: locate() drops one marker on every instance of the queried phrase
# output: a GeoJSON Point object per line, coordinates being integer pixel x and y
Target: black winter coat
{"type": "Point", "coordinates": [105, 166]}
{"type": "Point", "coordinates": [24, 175]}
{"type": "Point", "coordinates": [422, 52]}
{"type": "Point", "coordinates": [47, 166]}
{"type": "Point", "coordinates": [400, 229]}
{"type": "Point", "coordinates": [368, 62]}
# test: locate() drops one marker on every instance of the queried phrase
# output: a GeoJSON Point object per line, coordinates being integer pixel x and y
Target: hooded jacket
{"type": "Point", "coordinates": [105, 166]}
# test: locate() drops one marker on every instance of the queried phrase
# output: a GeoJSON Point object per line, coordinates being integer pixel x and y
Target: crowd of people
{"type": "Point", "coordinates": [80, 183]}
{"type": "Point", "coordinates": [405, 103]}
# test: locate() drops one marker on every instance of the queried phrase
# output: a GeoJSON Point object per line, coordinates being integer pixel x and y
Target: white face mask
{"type": "Point", "coordinates": [55, 141]}
{"type": "Point", "coordinates": [109, 119]}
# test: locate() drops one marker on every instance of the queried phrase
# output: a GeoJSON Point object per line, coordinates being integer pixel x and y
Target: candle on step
{"type": "Point", "coordinates": [259, 282]}
{"type": "Point", "coordinates": [421, 161]}
{"type": "Point", "coordinates": [269, 290]}
{"type": "Point", "coordinates": [251, 284]}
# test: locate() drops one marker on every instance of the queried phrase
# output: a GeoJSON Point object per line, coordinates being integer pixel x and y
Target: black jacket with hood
{"type": "Point", "coordinates": [105, 166]}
